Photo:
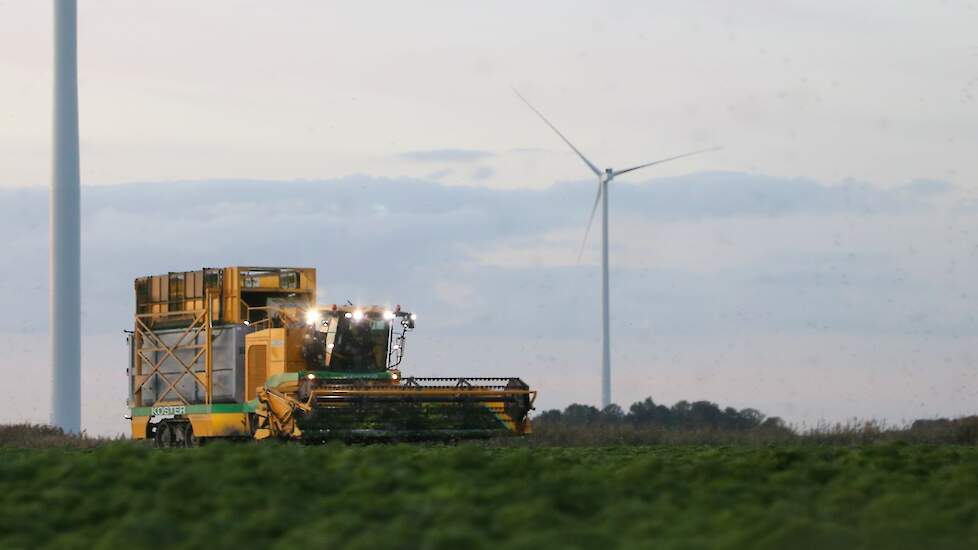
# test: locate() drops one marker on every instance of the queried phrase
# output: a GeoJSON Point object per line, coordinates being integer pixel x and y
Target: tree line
{"type": "Point", "coordinates": [698, 415]}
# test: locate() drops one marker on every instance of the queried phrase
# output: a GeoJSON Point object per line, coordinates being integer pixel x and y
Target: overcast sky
{"type": "Point", "coordinates": [877, 91]}
{"type": "Point", "coordinates": [821, 266]}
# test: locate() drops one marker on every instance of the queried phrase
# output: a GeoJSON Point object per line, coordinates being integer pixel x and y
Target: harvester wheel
{"type": "Point", "coordinates": [179, 434]}
{"type": "Point", "coordinates": [189, 439]}
{"type": "Point", "coordinates": [164, 435]}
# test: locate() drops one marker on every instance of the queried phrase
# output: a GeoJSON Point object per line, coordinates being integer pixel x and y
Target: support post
{"type": "Point", "coordinates": [137, 345]}
{"type": "Point", "coordinates": [605, 301]}
{"type": "Point", "coordinates": [65, 325]}
{"type": "Point", "coordinates": [208, 354]}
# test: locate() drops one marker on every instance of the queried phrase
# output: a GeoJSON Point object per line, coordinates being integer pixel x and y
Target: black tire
{"type": "Point", "coordinates": [164, 435]}
{"type": "Point", "coordinates": [189, 439]}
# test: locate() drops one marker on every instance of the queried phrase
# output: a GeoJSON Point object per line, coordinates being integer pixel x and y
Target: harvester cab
{"type": "Point", "coordinates": [244, 352]}
{"type": "Point", "coordinates": [354, 339]}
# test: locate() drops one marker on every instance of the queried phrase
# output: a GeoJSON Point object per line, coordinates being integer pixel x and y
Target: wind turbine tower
{"type": "Point", "coordinates": [604, 178]}
{"type": "Point", "coordinates": [65, 322]}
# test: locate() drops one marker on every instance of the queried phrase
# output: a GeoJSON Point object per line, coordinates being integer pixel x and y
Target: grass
{"type": "Point", "coordinates": [791, 494]}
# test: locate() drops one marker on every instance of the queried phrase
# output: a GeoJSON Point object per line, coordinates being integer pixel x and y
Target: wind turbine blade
{"type": "Point", "coordinates": [594, 210]}
{"type": "Point", "coordinates": [633, 168]}
{"type": "Point", "coordinates": [554, 128]}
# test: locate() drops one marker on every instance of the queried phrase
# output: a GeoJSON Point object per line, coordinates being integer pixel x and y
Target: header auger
{"type": "Point", "coordinates": [245, 352]}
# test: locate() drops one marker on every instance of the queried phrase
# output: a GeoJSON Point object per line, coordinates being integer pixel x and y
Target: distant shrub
{"type": "Point", "coordinates": [36, 436]}
{"type": "Point", "coordinates": [703, 422]}
{"type": "Point", "coordinates": [959, 430]}
{"type": "Point", "coordinates": [647, 420]}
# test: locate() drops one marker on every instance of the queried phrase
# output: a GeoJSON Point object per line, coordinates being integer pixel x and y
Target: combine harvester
{"type": "Point", "coordinates": [245, 353]}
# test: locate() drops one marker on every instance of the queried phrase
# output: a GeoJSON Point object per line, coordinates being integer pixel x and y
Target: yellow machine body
{"type": "Point", "coordinates": [244, 352]}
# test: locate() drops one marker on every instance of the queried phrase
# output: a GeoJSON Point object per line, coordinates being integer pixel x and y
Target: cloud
{"type": "Point", "coordinates": [699, 263]}
{"type": "Point", "coordinates": [725, 194]}
{"type": "Point", "coordinates": [440, 174]}
{"type": "Point", "coordinates": [482, 173]}
{"type": "Point", "coordinates": [697, 235]}
{"type": "Point", "coordinates": [447, 155]}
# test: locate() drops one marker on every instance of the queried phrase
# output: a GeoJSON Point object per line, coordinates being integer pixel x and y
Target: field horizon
{"type": "Point", "coordinates": [105, 494]}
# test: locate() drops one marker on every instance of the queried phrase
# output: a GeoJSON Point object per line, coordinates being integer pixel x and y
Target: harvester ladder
{"type": "Point", "coordinates": [201, 323]}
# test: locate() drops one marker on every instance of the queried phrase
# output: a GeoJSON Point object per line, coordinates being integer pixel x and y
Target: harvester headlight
{"type": "Point", "coordinates": [388, 315]}
{"type": "Point", "coordinates": [311, 376]}
{"type": "Point", "coordinates": [395, 375]}
{"type": "Point", "coordinates": [414, 316]}
{"type": "Point", "coordinates": [357, 315]}
{"type": "Point", "coordinates": [348, 315]}
{"type": "Point", "coordinates": [313, 317]}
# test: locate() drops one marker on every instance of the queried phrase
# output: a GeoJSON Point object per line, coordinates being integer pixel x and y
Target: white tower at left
{"type": "Point", "coordinates": [65, 325]}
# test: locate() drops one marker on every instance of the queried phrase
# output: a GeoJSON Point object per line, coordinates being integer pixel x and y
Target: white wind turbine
{"type": "Point", "coordinates": [604, 177]}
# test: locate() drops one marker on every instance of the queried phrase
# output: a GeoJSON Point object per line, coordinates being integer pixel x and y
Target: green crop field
{"type": "Point", "coordinates": [782, 496]}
